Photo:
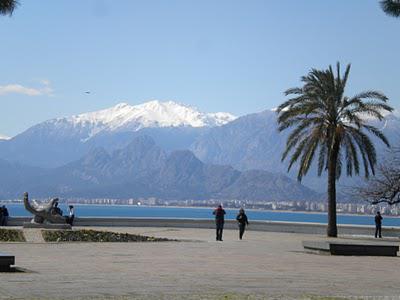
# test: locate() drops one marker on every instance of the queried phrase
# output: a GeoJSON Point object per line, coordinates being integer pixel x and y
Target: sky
{"type": "Point", "coordinates": [234, 56]}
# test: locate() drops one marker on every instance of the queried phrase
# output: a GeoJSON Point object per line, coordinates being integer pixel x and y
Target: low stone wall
{"type": "Point", "coordinates": [272, 226]}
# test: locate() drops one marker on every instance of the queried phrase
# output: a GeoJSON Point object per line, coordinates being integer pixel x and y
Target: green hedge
{"type": "Point", "coordinates": [85, 235]}
{"type": "Point", "coordinates": [11, 235]}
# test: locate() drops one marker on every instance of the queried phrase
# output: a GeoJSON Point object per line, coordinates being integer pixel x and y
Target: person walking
{"type": "Point", "coordinates": [243, 221]}
{"type": "Point", "coordinates": [378, 225]}
{"type": "Point", "coordinates": [219, 213]}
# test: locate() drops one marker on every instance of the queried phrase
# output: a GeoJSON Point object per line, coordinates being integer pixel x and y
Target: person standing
{"type": "Point", "coordinates": [5, 216]}
{"type": "Point", "coordinates": [71, 216]}
{"type": "Point", "coordinates": [378, 225]}
{"type": "Point", "coordinates": [57, 210]}
{"type": "Point", "coordinates": [1, 216]}
{"type": "Point", "coordinates": [219, 213]}
{"type": "Point", "coordinates": [243, 221]}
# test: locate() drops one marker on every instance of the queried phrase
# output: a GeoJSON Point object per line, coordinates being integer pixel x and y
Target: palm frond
{"type": "Point", "coordinates": [321, 158]}
{"type": "Point", "coordinates": [371, 95]}
{"type": "Point", "coordinates": [293, 91]}
{"type": "Point", "coordinates": [391, 7]}
{"type": "Point", "coordinates": [366, 147]}
{"type": "Point", "coordinates": [346, 76]}
{"type": "Point", "coordinates": [291, 143]}
{"type": "Point", "coordinates": [377, 133]}
{"type": "Point", "coordinates": [297, 152]}
{"type": "Point", "coordinates": [308, 154]}
{"type": "Point", "coordinates": [7, 6]}
{"type": "Point", "coordinates": [352, 161]}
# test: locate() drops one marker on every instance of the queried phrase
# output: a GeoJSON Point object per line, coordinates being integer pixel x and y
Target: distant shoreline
{"type": "Point", "coordinates": [212, 208]}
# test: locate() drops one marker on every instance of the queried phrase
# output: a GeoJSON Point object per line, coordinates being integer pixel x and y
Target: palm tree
{"type": "Point", "coordinates": [327, 122]}
{"type": "Point", "coordinates": [391, 7]}
{"type": "Point", "coordinates": [7, 6]}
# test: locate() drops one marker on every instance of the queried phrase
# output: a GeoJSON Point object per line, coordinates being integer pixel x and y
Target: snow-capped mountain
{"type": "Point", "coordinates": [246, 143]}
{"type": "Point", "coordinates": [4, 137]}
{"type": "Point", "coordinates": [153, 114]}
{"type": "Point", "coordinates": [62, 140]}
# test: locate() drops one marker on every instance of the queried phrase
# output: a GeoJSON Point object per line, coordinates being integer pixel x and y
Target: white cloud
{"type": "Point", "coordinates": [45, 90]}
{"type": "Point", "coordinates": [44, 81]}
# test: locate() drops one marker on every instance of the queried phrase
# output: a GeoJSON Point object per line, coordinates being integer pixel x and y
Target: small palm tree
{"type": "Point", "coordinates": [332, 125]}
{"type": "Point", "coordinates": [7, 6]}
{"type": "Point", "coordinates": [391, 7]}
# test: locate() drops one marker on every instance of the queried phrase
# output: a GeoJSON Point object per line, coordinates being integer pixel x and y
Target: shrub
{"type": "Point", "coordinates": [11, 235]}
{"type": "Point", "coordinates": [86, 235]}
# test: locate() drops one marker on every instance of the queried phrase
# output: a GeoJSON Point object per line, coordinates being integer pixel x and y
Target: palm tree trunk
{"type": "Point", "coordinates": [332, 226]}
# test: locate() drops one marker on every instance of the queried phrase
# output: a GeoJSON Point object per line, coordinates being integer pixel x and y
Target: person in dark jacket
{"type": "Point", "coordinates": [5, 216]}
{"type": "Point", "coordinates": [378, 225]}
{"type": "Point", "coordinates": [243, 221]}
{"type": "Point", "coordinates": [1, 216]}
{"type": "Point", "coordinates": [57, 210]}
{"type": "Point", "coordinates": [219, 213]}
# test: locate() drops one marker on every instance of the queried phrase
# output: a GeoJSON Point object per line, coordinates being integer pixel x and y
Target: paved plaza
{"type": "Point", "coordinates": [263, 265]}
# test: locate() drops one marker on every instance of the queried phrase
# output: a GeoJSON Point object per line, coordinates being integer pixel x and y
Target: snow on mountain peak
{"type": "Point", "coordinates": [4, 137]}
{"type": "Point", "coordinates": [125, 117]}
{"type": "Point", "coordinates": [121, 105]}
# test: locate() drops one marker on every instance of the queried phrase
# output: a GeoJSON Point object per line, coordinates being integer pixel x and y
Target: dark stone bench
{"type": "Point", "coordinates": [357, 248]}
{"type": "Point", "coordinates": [6, 261]}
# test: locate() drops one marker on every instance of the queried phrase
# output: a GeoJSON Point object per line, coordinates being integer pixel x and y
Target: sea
{"type": "Point", "coordinates": [134, 211]}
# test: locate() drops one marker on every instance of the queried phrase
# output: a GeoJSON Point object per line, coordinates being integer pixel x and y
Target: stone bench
{"type": "Point", "coordinates": [353, 247]}
{"type": "Point", "coordinates": [6, 261]}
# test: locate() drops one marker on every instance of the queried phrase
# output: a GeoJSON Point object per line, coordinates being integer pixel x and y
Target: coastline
{"type": "Point", "coordinates": [212, 208]}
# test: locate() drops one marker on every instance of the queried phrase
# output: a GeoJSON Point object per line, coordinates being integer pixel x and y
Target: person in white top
{"type": "Point", "coordinates": [70, 218]}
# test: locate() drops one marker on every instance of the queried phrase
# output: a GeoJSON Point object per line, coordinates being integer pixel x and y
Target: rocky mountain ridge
{"type": "Point", "coordinates": [143, 169]}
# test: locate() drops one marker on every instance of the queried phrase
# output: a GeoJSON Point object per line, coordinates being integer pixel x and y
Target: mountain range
{"type": "Point", "coordinates": [58, 141]}
{"type": "Point", "coordinates": [254, 142]}
{"type": "Point", "coordinates": [142, 169]}
{"type": "Point", "coordinates": [159, 149]}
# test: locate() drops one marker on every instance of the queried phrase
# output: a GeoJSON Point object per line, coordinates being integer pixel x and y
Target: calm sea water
{"type": "Point", "coordinates": [204, 213]}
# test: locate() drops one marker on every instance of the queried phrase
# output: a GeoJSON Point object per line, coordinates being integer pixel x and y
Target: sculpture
{"type": "Point", "coordinates": [44, 213]}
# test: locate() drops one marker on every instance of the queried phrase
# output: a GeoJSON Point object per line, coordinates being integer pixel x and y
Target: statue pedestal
{"type": "Point", "coordinates": [46, 225]}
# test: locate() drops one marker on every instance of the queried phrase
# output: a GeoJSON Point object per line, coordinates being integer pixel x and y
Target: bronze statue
{"type": "Point", "coordinates": [44, 213]}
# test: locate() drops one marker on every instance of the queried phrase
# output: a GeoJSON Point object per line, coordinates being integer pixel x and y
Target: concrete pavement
{"type": "Point", "coordinates": [263, 265]}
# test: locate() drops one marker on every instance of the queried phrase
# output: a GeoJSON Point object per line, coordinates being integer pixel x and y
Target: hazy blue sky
{"type": "Point", "coordinates": [236, 56]}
